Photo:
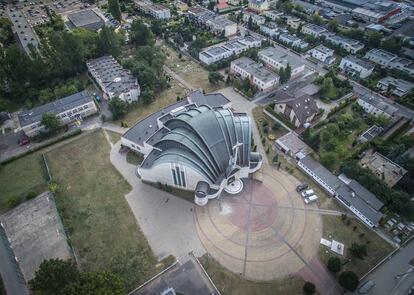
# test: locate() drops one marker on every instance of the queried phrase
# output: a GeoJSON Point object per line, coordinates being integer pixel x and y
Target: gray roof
{"type": "Point", "coordinates": [362, 63]}
{"type": "Point", "coordinates": [361, 199]}
{"type": "Point", "coordinates": [86, 19]}
{"type": "Point", "coordinates": [23, 30]}
{"type": "Point", "coordinates": [304, 106]}
{"type": "Point", "coordinates": [371, 133]}
{"type": "Point", "coordinates": [58, 106]}
{"type": "Point", "coordinates": [400, 84]}
{"type": "Point", "coordinates": [281, 57]}
{"type": "Point", "coordinates": [255, 69]}
{"type": "Point", "coordinates": [213, 99]}
{"type": "Point", "coordinates": [381, 54]}
{"type": "Point", "coordinates": [113, 75]}
{"type": "Point", "coordinates": [330, 179]}
{"type": "Point", "coordinates": [379, 104]}
{"type": "Point", "coordinates": [203, 138]}
{"type": "Point", "coordinates": [315, 28]}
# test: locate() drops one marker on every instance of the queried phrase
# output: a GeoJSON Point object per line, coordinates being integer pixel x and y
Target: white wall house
{"type": "Point", "coordinates": [356, 67]}
{"type": "Point", "coordinates": [256, 19]}
{"type": "Point", "coordinates": [323, 54]}
{"type": "Point", "coordinates": [221, 24]}
{"type": "Point", "coordinates": [349, 45]}
{"type": "Point", "coordinates": [258, 5]}
{"type": "Point", "coordinates": [313, 30]}
{"type": "Point", "coordinates": [277, 59]}
{"type": "Point", "coordinates": [375, 106]}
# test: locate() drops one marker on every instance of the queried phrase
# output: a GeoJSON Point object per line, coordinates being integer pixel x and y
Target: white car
{"type": "Point", "coordinates": [307, 193]}
{"type": "Point", "coordinates": [310, 199]}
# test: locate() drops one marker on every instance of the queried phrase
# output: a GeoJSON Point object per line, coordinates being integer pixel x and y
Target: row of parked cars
{"type": "Point", "coordinates": [307, 194]}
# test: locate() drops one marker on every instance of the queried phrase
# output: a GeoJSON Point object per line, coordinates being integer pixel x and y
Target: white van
{"type": "Point", "coordinates": [310, 199]}
{"type": "Point", "coordinates": [308, 193]}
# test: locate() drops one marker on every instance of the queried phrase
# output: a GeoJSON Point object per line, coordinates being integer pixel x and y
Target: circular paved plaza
{"type": "Point", "coordinates": [263, 232]}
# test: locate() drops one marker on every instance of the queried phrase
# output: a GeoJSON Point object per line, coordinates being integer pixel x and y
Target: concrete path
{"type": "Point", "coordinates": [114, 128]}
{"type": "Point", "coordinates": [241, 104]}
{"type": "Point", "coordinates": [167, 221]}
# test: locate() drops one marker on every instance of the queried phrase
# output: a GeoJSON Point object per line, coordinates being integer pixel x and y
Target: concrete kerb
{"type": "Point", "coordinates": [154, 277]}
{"type": "Point", "coordinates": [206, 274]}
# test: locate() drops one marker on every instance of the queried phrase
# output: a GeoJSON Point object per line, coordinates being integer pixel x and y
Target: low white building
{"type": "Point", "coordinates": [397, 87]}
{"type": "Point", "coordinates": [376, 106]}
{"type": "Point", "coordinates": [258, 5]}
{"type": "Point", "coordinates": [113, 79]}
{"type": "Point", "coordinates": [294, 22]}
{"type": "Point", "coordinates": [293, 41]}
{"type": "Point", "coordinates": [354, 66]}
{"type": "Point", "coordinates": [313, 30]}
{"type": "Point", "coordinates": [258, 75]}
{"type": "Point", "coordinates": [68, 109]}
{"type": "Point", "coordinates": [270, 29]}
{"type": "Point", "coordinates": [256, 19]}
{"type": "Point", "coordinates": [155, 10]}
{"type": "Point", "coordinates": [277, 59]}
{"type": "Point", "coordinates": [349, 45]}
{"type": "Point", "coordinates": [224, 50]}
{"type": "Point", "coordinates": [323, 54]}
{"type": "Point", "coordinates": [222, 24]}
{"type": "Point", "coordinates": [272, 14]}
{"type": "Point", "coordinates": [381, 57]}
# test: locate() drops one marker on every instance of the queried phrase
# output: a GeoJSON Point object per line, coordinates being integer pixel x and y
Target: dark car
{"type": "Point", "coordinates": [302, 187]}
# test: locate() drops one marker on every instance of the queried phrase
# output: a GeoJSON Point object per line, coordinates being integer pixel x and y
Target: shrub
{"type": "Point", "coordinates": [31, 195]}
{"type": "Point", "coordinates": [361, 235]}
{"type": "Point", "coordinates": [334, 264]}
{"type": "Point", "coordinates": [263, 140]}
{"type": "Point", "coordinates": [354, 228]}
{"type": "Point", "coordinates": [348, 280]}
{"type": "Point", "coordinates": [348, 222]}
{"type": "Point", "coordinates": [309, 288]}
{"type": "Point", "coordinates": [13, 202]}
{"type": "Point", "coordinates": [358, 250]}
{"type": "Point", "coordinates": [343, 217]}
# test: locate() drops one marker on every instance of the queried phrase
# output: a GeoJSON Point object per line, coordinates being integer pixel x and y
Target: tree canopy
{"type": "Point", "coordinates": [334, 264]}
{"type": "Point", "coordinates": [114, 9]}
{"type": "Point", "coordinates": [348, 280]}
{"type": "Point", "coordinates": [118, 107]}
{"type": "Point", "coordinates": [50, 121]}
{"type": "Point", "coordinates": [215, 77]}
{"type": "Point", "coordinates": [140, 34]}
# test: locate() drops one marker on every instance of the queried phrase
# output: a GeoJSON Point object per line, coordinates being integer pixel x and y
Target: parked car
{"type": "Point", "coordinates": [301, 187]}
{"type": "Point", "coordinates": [310, 199]}
{"type": "Point", "coordinates": [366, 287]}
{"type": "Point", "coordinates": [308, 193]}
{"type": "Point", "coordinates": [24, 141]}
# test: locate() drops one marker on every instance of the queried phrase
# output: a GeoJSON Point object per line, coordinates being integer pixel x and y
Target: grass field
{"type": "Point", "coordinates": [20, 177]}
{"type": "Point", "coordinates": [189, 70]}
{"type": "Point", "coordinates": [377, 248]}
{"type": "Point", "coordinates": [229, 283]}
{"type": "Point", "coordinates": [162, 99]}
{"type": "Point", "coordinates": [91, 203]}
{"type": "Point", "coordinates": [114, 137]}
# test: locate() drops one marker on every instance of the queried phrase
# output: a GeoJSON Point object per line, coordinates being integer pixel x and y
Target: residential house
{"type": "Point", "coordinates": [224, 50]}
{"type": "Point", "coordinates": [323, 54]}
{"type": "Point", "coordinates": [67, 109]}
{"type": "Point", "coordinates": [293, 41]}
{"type": "Point", "coordinates": [270, 29]}
{"type": "Point", "coordinates": [313, 30]}
{"type": "Point", "coordinates": [349, 45]}
{"type": "Point", "coordinates": [256, 19]}
{"type": "Point", "coordinates": [376, 106]}
{"type": "Point", "coordinates": [297, 110]}
{"type": "Point", "coordinates": [278, 59]}
{"type": "Point", "coordinates": [293, 22]}
{"type": "Point", "coordinates": [113, 79]}
{"type": "Point", "coordinates": [272, 14]}
{"type": "Point", "coordinates": [371, 133]}
{"type": "Point", "coordinates": [200, 15]}
{"type": "Point", "coordinates": [258, 75]}
{"type": "Point", "coordinates": [348, 192]}
{"type": "Point", "coordinates": [258, 5]}
{"type": "Point", "coordinates": [381, 57]}
{"type": "Point", "coordinates": [222, 25]}
{"type": "Point", "coordinates": [395, 86]}
{"type": "Point", "coordinates": [354, 66]}
{"type": "Point", "coordinates": [383, 168]}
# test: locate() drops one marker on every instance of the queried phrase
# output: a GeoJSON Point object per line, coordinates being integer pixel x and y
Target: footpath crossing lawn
{"type": "Point", "coordinates": [91, 202]}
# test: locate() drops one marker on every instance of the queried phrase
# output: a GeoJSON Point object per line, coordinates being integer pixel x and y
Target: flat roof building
{"type": "Point", "coordinates": [356, 67]}
{"type": "Point", "coordinates": [349, 45]}
{"type": "Point", "coordinates": [67, 109]}
{"type": "Point", "coordinates": [397, 87]}
{"type": "Point", "coordinates": [155, 10]}
{"type": "Point", "coordinates": [376, 106]}
{"type": "Point", "coordinates": [23, 30]}
{"type": "Point", "coordinates": [113, 79]}
{"type": "Point", "coordinates": [87, 19]}
{"type": "Point", "coordinates": [380, 57]}
{"type": "Point", "coordinates": [313, 30]}
{"type": "Point", "coordinates": [323, 54]}
{"type": "Point", "coordinates": [257, 74]}
{"type": "Point", "coordinates": [383, 168]}
{"type": "Point", "coordinates": [278, 59]}
{"type": "Point", "coordinates": [291, 145]}
{"type": "Point", "coordinates": [370, 133]}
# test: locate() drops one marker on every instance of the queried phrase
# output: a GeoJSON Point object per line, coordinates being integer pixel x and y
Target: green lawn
{"type": "Point", "coordinates": [20, 177]}
{"type": "Point", "coordinates": [233, 284]}
{"type": "Point", "coordinates": [335, 228]}
{"type": "Point", "coordinates": [114, 137]}
{"type": "Point", "coordinates": [91, 202]}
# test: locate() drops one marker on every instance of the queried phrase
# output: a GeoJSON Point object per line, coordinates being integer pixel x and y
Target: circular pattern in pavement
{"type": "Point", "coordinates": [264, 232]}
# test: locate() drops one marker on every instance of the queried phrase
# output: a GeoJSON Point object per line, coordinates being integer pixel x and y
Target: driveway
{"type": "Point", "coordinates": [167, 221]}
{"type": "Point", "coordinates": [241, 104]}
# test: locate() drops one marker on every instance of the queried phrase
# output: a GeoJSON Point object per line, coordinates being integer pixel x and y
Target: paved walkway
{"type": "Point", "coordinates": [175, 76]}
{"type": "Point", "coordinates": [167, 221]}
{"type": "Point", "coordinates": [114, 128]}
{"type": "Point", "coordinates": [241, 104]}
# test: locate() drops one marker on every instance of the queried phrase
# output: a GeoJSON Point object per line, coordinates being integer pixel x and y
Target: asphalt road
{"type": "Point", "coordinates": [386, 282]}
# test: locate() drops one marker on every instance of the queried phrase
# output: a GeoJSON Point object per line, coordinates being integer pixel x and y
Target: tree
{"type": "Point", "coordinates": [333, 25]}
{"type": "Point", "coordinates": [156, 27]}
{"type": "Point", "coordinates": [117, 107]}
{"type": "Point", "coordinates": [147, 96]}
{"type": "Point", "coordinates": [140, 34]}
{"type": "Point", "coordinates": [328, 159]}
{"type": "Point", "coordinates": [358, 250]}
{"type": "Point", "coordinates": [114, 9]}
{"type": "Point", "coordinates": [317, 19]}
{"type": "Point", "coordinates": [108, 42]}
{"type": "Point", "coordinates": [374, 39]}
{"type": "Point", "coordinates": [51, 122]}
{"type": "Point", "coordinates": [250, 23]}
{"type": "Point", "coordinates": [334, 264]}
{"type": "Point", "coordinates": [288, 72]}
{"type": "Point", "coordinates": [96, 283]}
{"type": "Point", "coordinates": [328, 90]}
{"type": "Point", "coordinates": [215, 77]}
{"type": "Point", "coordinates": [53, 275]}
{"type": "Point", "coordinates": [211, 5]}
{"type": "Point", "coordinates": [309, 288]}
{"type": "Point", "coordinates": [348, 280]}
{"type": "Point", "coordinates": [392, 44]}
